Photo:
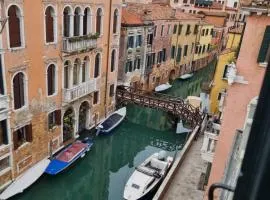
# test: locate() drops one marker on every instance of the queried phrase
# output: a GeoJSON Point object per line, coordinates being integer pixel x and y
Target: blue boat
{"type": "Point", "coordinates": [111, 122]}
{"type": "Point", "coordinates": [68, 156]}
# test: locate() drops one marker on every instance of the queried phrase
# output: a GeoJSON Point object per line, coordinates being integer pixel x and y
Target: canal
{"type": "Point", "coordinates": [103, 172]}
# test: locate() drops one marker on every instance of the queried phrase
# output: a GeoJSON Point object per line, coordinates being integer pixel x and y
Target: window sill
{"type": "Point", "coordinates": [2, 172]}
{"type": "Point", "coordinates": [16, 48]}
{"type": "Point", "coordinates": [23, 146]}
{"type": "Point", "coordinates": [50, 43]}
{"type": "Point", "coordinates": [24, 108]}
{"type": "Point", "coordinates": [52, 95]}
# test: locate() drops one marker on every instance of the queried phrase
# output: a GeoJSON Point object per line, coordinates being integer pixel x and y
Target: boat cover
{"type": "Point", "coordinates": [111, 121]}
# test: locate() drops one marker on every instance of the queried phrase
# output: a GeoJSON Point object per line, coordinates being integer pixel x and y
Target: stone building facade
{"type": "Point", "coordinates": [60, 71]}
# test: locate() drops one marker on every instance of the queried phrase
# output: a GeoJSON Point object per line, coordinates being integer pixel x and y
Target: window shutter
{"type": "Point", "coordinates": [264, 45]}
{"type": "Point", "coordinates": [15, 140]}
{"type": "Point", "coordinates": [16, 91]}
{"type": "Point", "coordinates": [58, 117]}
{"type": "Point", "coordinates": [21, 85]}
{"type": "Point", "coordinates": [50, 80]}
{"type": "Point", "coordinates": [49, 26]}
{"type": "Point", "coordinates": [178, 58]}
{"type": "Point", "coordinates": [14, 27]}
{"type": "Point", "coordinates": [29, 137]}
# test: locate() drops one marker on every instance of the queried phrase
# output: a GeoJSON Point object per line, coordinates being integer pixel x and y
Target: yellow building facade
{"type": "Point", "coordinates": [220, 82]}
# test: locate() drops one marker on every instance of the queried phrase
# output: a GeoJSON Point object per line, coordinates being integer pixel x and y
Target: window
{"type": "Point", "coordinates": [153, 58]}
{"type": "Point", "coordinates": [97, 66]}
{"type": "Point", "coordinates": [225, 72]}
{"type": "Point", "coordinates": [169, 29]}
{"type": "Point", "coordinates": [180, 29]}
{"type": "Point", "coordinates": [54, 119]}
{"type": "Point", "coordinates": [174, 29]}
{"type": "Point", "coordinates": [192, 1]}
{"type": "Point", "coordinates": [150, 39]}
{"type": "Point", "coordinates": [115, 21]}
{"type": "Point", "coordinates": [173, 52]}
{"type": "Point", "coordinates": [130, 42]}
{"type": "Point", "coordinates": [148, 61]}
{"type": "Point", "coordinates": [185, 50]}
{"type": "Point", "coordinates": [155, 31]}
{"type": "Point", "coordinates": [190, 11]}
{"type": "Point", "coordinates": [19, 90]}
{"type": "Point", "coordinates": [77, 23]}
{"type": "Point", "coordinates": [206, 32]}
{"type": "Point", "coordinates": [208, 47]}
{"type": "Point", "coordinates": [138, 41]}
{"type": "Point", "coordinates": [196, 29]}
{"type": "Point", "coordinates": [85, 67]}
{"type": "Point", "coordinates": [67, 21]}
{"type": "Point", "coordinates": [178, 57]}
{"type": "Point", "coordinates": [212, 31]}
{"type": "Point", "coordinates": [112, 90]}
{"type": "Point", "coordinates": [113, 59]}
{"type": "Point", "coordinates": [3, 133]}
{"type": "Point", "coordinates": [86, 21]}
{"type": "Point", "coordinates": [197, 49]}
{"type": "Point", "coordinates": [2, 89]}
{"type": "Point", "coordinates": [188, 30]}
{"type": "Point", "coordinates": [99, 21]}
{"type": "Point", "coordinates": [164, 56]}
{"type": "Point", "coordinates": [76, 71]}
{"type": "Point", "coordinates": [4, 163]}
{"type": "Point", "coordinates": [66, 75]}
{"type": "Point", "coordinates": [128, 66]}
{"type": "Point", "coordinates": [185, 1]}
{"type": "Point", "coordinates": [200, 49]}
{"type": "Point", "coordinates": [235, 4]}
{"type": "Point", "coordinates": [203, 49]}
{"type": "Point", "coordinates": [162, 30]}
{"type": "Point", "coordinates": [219, 95]}
{"type": "Point", "coordinates": [203, 32]}
{"type": "Point", "coordinates": [49, 23]}
{"type": "Point", "coordinates": [22, 135]}
{"type": "Point", "coordinates": [96, 97]}
{"type": "Point", "coordinates": [14, 24]}
{"type": "Point", "coordinates": [51, 80]}
{"type": "Point", "coordinates": [159, 57]}
{"type": "Point", "coordinates": [137, 63]}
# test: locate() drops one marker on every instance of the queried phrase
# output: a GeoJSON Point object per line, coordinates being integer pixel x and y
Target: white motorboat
{"type": "Point", "coordinates": [112, 121]}
{"type": "Point", "coordinates": [147, 177]}
{"type": "Point", "coordinates": [25, 180]}
{"type": "Point", "coordinates": [186, 76]}
{"type": "Point", "coordinates": [163, 87]}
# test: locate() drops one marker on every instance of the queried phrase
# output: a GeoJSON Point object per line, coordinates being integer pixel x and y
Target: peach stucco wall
{"type": "Point", "coordinates": [240, 95]}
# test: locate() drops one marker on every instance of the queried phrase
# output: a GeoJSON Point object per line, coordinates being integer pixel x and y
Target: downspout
{"type": "Point", "coordinates": [108, 58]}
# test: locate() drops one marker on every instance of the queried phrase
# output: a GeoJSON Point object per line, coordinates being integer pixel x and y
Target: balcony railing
{"type": "Point", "coordinates": [79, 91]}
{"type": "Point", "coordinates": [3, 102]}
{"type": "Point", "coordinates": [79, 43]}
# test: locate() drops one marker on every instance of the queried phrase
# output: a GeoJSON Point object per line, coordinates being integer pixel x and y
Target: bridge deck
{"type": "Point", "coordinates": [173, 105]}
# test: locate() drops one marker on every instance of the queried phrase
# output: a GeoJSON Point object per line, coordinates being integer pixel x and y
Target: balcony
{"type": "Point", "coordinates": [209, 142]}
{"type": "Point", "coordinates": [79, 43]}
{"type": "Point", "coordinates": [80, 90]}
{"type": "Point", "coordinates": [3, 106]}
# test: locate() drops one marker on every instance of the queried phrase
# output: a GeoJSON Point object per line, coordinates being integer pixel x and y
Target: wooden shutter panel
{"type": "Point", "coordinates": [264, 46]}
{"type": "Point", "coordinates": [29, 137]}
{"type": "Point", "coordinates": [21, 91]}
{"type": "Point", "coordinates": [15, 140]}
{"type": "Point", "coordinates": [14, 27]}
{"type": "Point", "coordinates": [16, 92]}
{"type": "Point", "coordinates": [58, 117]}
{"type": "Point", "coordinates": [49, 26]}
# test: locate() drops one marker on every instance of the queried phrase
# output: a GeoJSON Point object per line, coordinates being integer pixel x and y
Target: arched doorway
{"type": "Point", "coordinates": [84, 116]}
{"type": "Point", "coordinates": [68, 125]}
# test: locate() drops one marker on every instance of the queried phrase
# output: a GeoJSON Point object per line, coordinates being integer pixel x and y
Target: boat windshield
{"type": "Point", "coordinates": [135, 186]}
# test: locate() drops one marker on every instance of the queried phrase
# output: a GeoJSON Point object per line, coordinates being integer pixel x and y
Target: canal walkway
{"type": "Point", "coordinates": [185, 182]}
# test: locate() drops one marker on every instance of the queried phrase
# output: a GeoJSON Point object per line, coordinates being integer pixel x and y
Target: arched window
{"type": "Point", "coordinates": [113, 60]}
{"type": "Point", "coordinates": [67, 21]}
{"type": "Point", "coordinates": [85, 68]}
{"type": "Point", "coordinates": [87, 21]}
{"type": "Point", "coordinates": [66, 74]}
{"type": "Point", "coordinates": [115, 21]}
{"type": "Point", "coordinates": [77, 23]}
{"type": "Point", "coordinates": [97, 66]}
{"type": "Point", "coordinates": [19, 90]}
{"type": "Point", "coordinates": [51, 79]}
{"type": "Point", "coordinates": [14, 23]}
{"type": "Point", "coordinates": [99, 21]}
{"type": "Point", "coordinates": [76, 72]}
{"type": "Point", "coordinates": [49, 20]}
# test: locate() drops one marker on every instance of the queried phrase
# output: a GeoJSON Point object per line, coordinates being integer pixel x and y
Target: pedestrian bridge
{"type": "Point", "coordinates": [173, 105]}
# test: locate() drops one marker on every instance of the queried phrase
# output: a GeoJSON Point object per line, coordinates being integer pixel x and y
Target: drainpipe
{"type": "Point", "coordinates": [108, 60]}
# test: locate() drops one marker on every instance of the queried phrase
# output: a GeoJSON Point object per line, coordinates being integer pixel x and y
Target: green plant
{"type": "Point", "coordinates": [84, 37]}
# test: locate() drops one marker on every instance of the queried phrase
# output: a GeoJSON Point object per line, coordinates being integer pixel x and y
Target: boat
{"type": "Point", "coordinates": [186, 76]}
{"type": "Point", "coordinates": [112, 121]}
{"type": "Point", "coordinates": [163, 87]}
{"type": "Point", "coordinates": [25, 180]}
{"type": "Point", "coordinates": [68, 155]}
{"type": "Point", "coordinates": [147, 177]}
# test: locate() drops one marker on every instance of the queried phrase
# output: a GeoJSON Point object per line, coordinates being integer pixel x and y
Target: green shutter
{"type": "Point", "coordinates": [264, 45]}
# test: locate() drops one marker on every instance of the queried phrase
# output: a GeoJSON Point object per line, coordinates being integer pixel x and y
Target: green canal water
{"type": "Point", "coordinates": [103, 172]}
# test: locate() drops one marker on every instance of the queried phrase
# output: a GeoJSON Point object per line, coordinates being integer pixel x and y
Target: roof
{"type": "Point", "coordinates": [211, 13]}
{"type": "Point", "coordinates": [216, 6]}
{"type": "Point", "coordinates": [181, 15]}
{"type": "Point", "coordinates": [129, 18]}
